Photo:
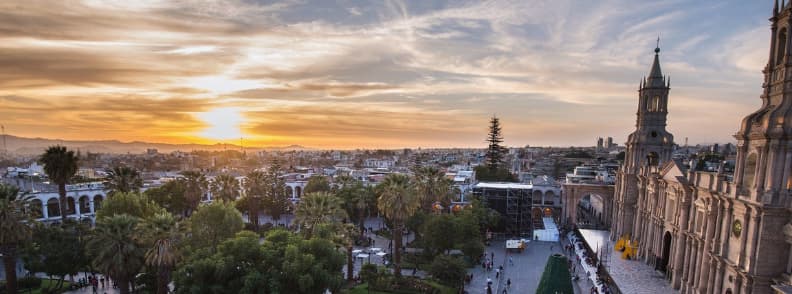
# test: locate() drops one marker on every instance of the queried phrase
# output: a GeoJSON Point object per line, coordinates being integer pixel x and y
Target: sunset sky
{"type": "Point", "coordinates": [374, 74]}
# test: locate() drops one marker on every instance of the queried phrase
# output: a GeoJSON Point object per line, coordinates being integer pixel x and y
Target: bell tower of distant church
{"type": "Point", "coordinates": [649, 144]}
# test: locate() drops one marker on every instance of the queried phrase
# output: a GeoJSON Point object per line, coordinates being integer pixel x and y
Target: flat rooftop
{"type": "Point", "coordinates": [503, 185]}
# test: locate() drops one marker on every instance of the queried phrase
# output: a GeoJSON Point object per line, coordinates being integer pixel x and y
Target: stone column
{"type": "Point", "coordinates": [44, 211]}
{"type": "Point", "coordinates": [717, 225]}
{"type": "Point", "coordinates": [681, 251]}
{"type": "Point", "coordinates": [753, 254]}
{"type": "Point", "coordinates": [685, 269]}
{"type": "Point", "coordinates": [692, 262]}
{"type": "Point", "coordinates": [709, 230]}
{"type": "Point", "coordinates": [91, 205]}
{"type": "Point", "coordinates": [746, 285]}
{"type": "Point", "coordinates": [699, 269]}
{"type": "Point", "coordinates": [711, 276]}
{"type": "Point", "coordinates": [744, 239]}
{"type": "Point", "coordinates": [726, 227]}
{"type": "Point", "coordinates": [77, 208]}
{"type": "Point", "coordinates": [719, 272]}
{"type": "Point", "coordinates": [737, 284]}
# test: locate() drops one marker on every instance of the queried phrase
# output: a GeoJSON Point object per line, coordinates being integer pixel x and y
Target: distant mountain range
{"type": "Point", "coordinates": [32, 146]}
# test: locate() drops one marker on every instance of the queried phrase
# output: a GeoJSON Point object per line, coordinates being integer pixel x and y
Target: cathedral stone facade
{"type": "Point", "coordinates": [712, 232]}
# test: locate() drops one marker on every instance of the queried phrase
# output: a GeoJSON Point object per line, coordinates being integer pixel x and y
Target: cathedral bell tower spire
{"type": "Point", "coordinates": [649, 145]}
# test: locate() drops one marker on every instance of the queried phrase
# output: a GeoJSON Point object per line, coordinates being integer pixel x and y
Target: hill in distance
{"type": "Point", "coordinates": [33, 146]}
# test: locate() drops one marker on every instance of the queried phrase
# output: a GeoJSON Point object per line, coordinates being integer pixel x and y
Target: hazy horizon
{"type": "Point", "coordinates": [389, 75]}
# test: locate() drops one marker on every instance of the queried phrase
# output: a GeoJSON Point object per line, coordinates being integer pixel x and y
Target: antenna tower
{"type": "Point", "coordinates": [5, 148]}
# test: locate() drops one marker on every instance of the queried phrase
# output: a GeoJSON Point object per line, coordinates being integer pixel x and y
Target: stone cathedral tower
{"type": "Point", "coordinates": [649, 144]}
{"type": "Point", "coordinates": [760, 204]}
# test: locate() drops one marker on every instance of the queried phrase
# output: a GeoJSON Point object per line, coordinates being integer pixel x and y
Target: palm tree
{"type": "Point", "coordinates": [397, 201]}
{"type": "Point", "coordinates": [346, 237]}
{"type": "Point", "coordinates": [318, 208]}
{"type": "Point", "coordinates": [432, 186]}
{"type": "Point", "coordinates": [14, 230]}
{"type": "Point", "coordinates": [225, 187]}
{"type": "Point", "coordinates": [255, 189]}
{"type": "Point", "coordinates": [195, 187]}
{"type": "Point", "coordinates": [123, 179]}
{"type": "Point", "coordinates": [60, 165]}
{"type": "Point", "coordinates": [116, 249]}
{"type": "Point", "coordinates": [163, 232]}
{"type": "Point", "coordinates": [355, 198]}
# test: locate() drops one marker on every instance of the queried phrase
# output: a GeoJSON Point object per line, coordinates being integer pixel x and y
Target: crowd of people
{"type": "Point", "coordinates": [583, 255]}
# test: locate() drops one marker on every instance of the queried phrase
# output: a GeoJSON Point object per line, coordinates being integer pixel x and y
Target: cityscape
{"type": "Point", "coordinates": [395, 147]}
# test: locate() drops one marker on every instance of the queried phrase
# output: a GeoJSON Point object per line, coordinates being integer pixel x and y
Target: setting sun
{"type": "Point", "coordinates": [222, 123]}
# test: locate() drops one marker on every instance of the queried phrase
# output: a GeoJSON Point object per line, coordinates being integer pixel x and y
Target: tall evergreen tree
{"type": "Point", "coordinates": [495, 152]}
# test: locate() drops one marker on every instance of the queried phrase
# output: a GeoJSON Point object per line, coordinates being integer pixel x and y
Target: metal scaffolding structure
{"type": "Point", "coordinates": [513, 202]}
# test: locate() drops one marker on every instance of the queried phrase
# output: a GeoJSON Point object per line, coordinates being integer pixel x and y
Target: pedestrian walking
{"type": "Point", "coordinates": [511, 261]}
{"type": "Point", "coordinates": [508, 283]}
{"type": "Point", "coordinates": [101, 280]}
{"type": "Point", "coordinates": [497, 274]}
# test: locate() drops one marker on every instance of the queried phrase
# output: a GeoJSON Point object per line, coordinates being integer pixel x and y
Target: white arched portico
{"type": "Point", "coordinates": [82, 200]}
{"type": "Point", "coordinates": [296, 189]}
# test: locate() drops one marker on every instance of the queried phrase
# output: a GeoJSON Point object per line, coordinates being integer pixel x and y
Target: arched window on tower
{"type": "Point", "coordinates": [749, 171]}
{"type": "Point", "coordinates": [652, 158]}
{"type": "Point", "coordinates": [781, 48]}
{"type": "Point", "coordinates": [656, 103]}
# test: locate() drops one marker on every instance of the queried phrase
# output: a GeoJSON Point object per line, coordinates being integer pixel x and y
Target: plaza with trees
{"type": "Point", "coordinates": [168, 238]}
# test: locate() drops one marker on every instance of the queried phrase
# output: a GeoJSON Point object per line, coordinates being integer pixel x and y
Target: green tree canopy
{"type": "Point", "coordinates": [60, 165]}
{"type": "Point", "coordinates": [225, 187]}
{"type": "Point", "coordinates": [195, 185]}
{"type": "Point", "coordinates": [432, 186]}
{"type": "Point", "coordinates": [397, 201]}
{"type": "Point", "coordinates": [440, 233]}
{"type": "Point", "coordinates": [355, 198]}
{"type": "Point", "coordinates": [116, 249]}
{"type": "Point", "coordinates": [162, 233]}
{"type": "Point", "coordinates": [448, 270]}
{"type": "Point", "coordinates": [129, 203]}
{"type": "Point", "coordinates": [555, 278]}
{"type": "Point", "coordinates": [213, 223]}
{"type": "Point", "coordinates": [57, 250]}
{"type": "Point", "coordinates": [318, 208]}
{"type": "Point", "coordinates": [123, 179]}
{"type": "Point", "coordinates": [317, 183]}
{"type": "Point", "coordinates": [15, 229]}
{"type": "Point", "coordinates": [276, 198]}
{"type": "Point", "coordinates": [170, 196]}
{"type": "Point", "coordinates": [284, 263]}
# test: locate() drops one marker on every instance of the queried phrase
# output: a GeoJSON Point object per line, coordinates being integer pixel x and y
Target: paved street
{"type": "Point", "coordinates": [524, 274]}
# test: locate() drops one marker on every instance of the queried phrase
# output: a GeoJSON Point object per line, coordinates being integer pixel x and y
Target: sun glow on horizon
{"type": "Point", "coordinates": [223, 123]}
